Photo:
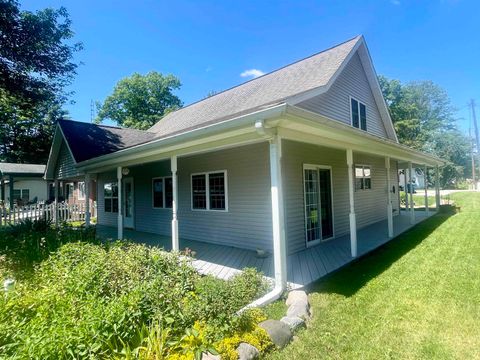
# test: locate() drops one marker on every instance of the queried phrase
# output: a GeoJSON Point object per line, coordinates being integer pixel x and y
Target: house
{"type": "Point", "coordinates": [28, 183]}
{"type": "Point", "coordinates": [418, 178]}
{"type": "Point", "coordinates": [299, 163]}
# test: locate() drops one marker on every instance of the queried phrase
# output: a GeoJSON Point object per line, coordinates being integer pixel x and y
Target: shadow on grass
{"type": "Point", "coordinates": [352, 277]}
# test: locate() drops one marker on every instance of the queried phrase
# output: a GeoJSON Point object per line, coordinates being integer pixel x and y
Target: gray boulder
{"type": "Point", "coordinates": [208, 356]}
{"type": "Point", "coordinates": [299, 309]}
{"type": "Point", "coordinates": [278, 331]}
{"type": "Point", "coordinates": [247, 352]}
{"type": "Point", "coordinates": [293, 322]}
{"type": "Point", "coordinates": [296, 296]}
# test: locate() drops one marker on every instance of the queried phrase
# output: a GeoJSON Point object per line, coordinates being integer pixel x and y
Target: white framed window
{"type": "Point", "coordinates": [210, 191]}
{"type": "Point", "coordinates": [81, 190]}
{"type": "Point", "coordinates": [69, 191]}
{"type": "Point", "coordinates": [358, 114]}
{"type": "Point", "coordinates": [162, 192]}
{"type": "Point", "coordinates": [363, 177]}
{"type": "Point", "coordinates": [21, 194]}
{"type": "Point", "coordinates": [110, 195]}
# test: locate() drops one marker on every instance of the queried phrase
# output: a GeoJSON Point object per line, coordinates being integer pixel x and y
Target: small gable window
{"type": "Point", "coordinates": [359, 114]}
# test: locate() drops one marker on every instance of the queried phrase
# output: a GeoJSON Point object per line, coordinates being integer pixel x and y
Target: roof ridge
{"type": "Point", "coordinates": [106, 126]}
{"type": "Point", "coordinates": [264, 75]}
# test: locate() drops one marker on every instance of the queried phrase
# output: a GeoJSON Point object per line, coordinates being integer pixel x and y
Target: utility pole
{"type": "Point", "coordinates": [472, 103]}
{"type": "Point", "coordinates": [92, 111]}
{"type": "Point", "coordinates": [473, 156]}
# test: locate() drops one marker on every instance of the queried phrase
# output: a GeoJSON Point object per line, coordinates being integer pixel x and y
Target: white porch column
{"type": "Point", "coordinates": [87, 200]}
{"type": "Point", "coordinates": [412, 208]}
{"type": "Point", "coordinates": [175, 241]}
{"type": "Point", "coordinates": [351, 193]}
{"type": "Point", "coordinates": [389, 199]}
{"type": "Point", "coordinates": [405, 189]}
{"type": "Point", "coordinates": [278, 222]}
{"type": "Point", "coordinates": [55, 203]}
{"type": "Point", "coordinates": [437, 187]}
{"type": "Point", "coordinates": [120, 204]}
{"type": "Point", "coordinates": [425, 185]}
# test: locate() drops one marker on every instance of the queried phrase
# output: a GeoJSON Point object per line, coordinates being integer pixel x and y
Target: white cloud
{"type": "Point", "coordinates": [395, 2]}
{"type": "Point", "coordinates": [252, 73]}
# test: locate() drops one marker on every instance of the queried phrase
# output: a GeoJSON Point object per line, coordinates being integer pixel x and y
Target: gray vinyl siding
{"type": "Point", "coordinates": [148, 218]}
{"type": "Point", "coordinates": [370, 205]}
{"type": "Point", "coordinates": [105, 218]}
{"type": "Point", "coordinates": [248, 221]}
{"type": "Point", "coordinates": [65, 167]}
{"type": "Point", "coordinates": [335, 103]}
{"type": "Point", "coordinates": [246, 224]}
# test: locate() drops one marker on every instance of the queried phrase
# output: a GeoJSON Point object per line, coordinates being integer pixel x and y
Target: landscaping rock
{"type": "Point", "coordinates": [247, 352]}
{"type": "Point", "coordinates": [293, 322]}
{"type": "Point", "coordinates": [299, 309]}
{"type": "Point", "coordinates": [208, 356]}
{"type": "Point", "coordinates": [296, 296]}
{"type": "Point", "coordinates": [278, 331]}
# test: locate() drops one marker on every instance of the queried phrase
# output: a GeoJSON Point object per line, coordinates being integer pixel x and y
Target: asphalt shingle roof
{"type": "Point", "coordinates": [262, 92]}
{"type": "Point", "coordinates": [14, 168]}
{"type": "Point", "coordinates": [87, 141]}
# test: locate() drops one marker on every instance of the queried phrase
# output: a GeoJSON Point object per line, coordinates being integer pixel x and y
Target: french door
{"type": "Point", "coordinates": [318, 203]}
{"type": "Point", "coordinates": [128, 201]}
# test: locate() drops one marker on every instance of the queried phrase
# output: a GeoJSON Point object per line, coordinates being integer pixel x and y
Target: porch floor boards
{"type": "Point", "coordinates": [304, 267]}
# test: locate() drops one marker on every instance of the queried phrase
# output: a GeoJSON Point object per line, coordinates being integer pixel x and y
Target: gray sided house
{"type": "Point", "coordinates": [300, 164]}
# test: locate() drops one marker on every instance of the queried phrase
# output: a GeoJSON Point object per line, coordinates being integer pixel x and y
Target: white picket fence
{"type": "Point", "coordinates": [65, 212]}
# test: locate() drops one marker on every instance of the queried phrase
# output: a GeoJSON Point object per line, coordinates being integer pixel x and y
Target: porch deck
{"type": "Point", "coordinates": [304, 267]}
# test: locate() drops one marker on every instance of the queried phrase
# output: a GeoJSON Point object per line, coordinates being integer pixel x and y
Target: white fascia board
{"type": "Point", "coordinates": [169, 145]}
{"type": "Point", "coordinates": [321, 130]}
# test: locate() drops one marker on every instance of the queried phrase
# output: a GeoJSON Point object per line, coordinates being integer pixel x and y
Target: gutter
{"type": "Point", "coordinates": [280, 283]}
{"type": "Point", "coordinates": [158, 146]}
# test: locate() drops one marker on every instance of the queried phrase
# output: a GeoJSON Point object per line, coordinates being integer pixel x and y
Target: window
{"type": "Point", "coordinates": [81, 191]}
{"type": "Point", "coordinates": [363, 177]}
{"type": "Point", "coordinates": [209, 191]}
{"type": "Point", "coordinates": [68, 191]}
{"type": "Point", "coordinates": [162, 192]}
{"type": "Point", "coordinates": [21, 194]}
{"type": "Point", "coordinates": [359, 114]}
{"type": "Point", "coordinates": [110, 194]}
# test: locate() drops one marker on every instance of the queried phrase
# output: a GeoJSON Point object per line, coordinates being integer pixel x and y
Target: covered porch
{"type": "Point", "coordinates": [303, 267]}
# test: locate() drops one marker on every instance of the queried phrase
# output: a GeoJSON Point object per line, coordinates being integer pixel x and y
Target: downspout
{"type": "Point", "coordinates": [278, 249]}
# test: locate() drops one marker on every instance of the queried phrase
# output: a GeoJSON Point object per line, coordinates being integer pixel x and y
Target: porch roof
{"type": "Point", "coordinates": [22, 170]}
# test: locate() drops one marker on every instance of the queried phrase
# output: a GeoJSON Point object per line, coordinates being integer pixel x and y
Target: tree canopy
{"type": "Point", "coordinates": [36, 64]}
{"type": "Point", "coordinates": [139, 101]}
{"type": "Point", "coordinates": [424, 119]}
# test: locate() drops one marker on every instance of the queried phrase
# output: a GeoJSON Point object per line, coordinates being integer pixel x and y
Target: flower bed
{"type": "Point", "coordinates": [90, 300]}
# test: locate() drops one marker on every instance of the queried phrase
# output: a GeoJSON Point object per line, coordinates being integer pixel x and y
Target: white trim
{"type": "Point", "coordinates": [207, 190]}
{"type": "Point", "coordinates": [316, 167]}
{"type": "Point", "coordinates": [350, 98]}
{"type": "Point", "coordinates": [163, 193]}
{"type": "Point", "coordinates": [355, 165]}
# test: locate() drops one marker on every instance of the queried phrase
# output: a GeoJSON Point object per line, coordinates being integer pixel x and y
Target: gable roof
{"type": "Point", "coordinates": [87, 141]}
{"type": "Point", "coordinates": [22, 169]}
{"type": "Point", "coordinates": [262, 92]}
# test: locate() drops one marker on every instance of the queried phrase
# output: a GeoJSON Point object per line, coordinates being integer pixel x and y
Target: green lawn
{"type": "Point", "coordinates": [418, 297]}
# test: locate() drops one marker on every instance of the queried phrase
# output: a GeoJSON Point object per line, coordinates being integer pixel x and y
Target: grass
{"type": "Point", "coordinates": [418, 297]}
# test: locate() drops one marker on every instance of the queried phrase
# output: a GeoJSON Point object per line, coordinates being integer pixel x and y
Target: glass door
{"type": "Point", "coordinates": [128, 218]}
{"type": "Point", "coordinates": [318, 204]}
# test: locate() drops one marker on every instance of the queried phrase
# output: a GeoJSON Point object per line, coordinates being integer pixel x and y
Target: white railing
{"type": "Point", "coordinates": [65, 212]}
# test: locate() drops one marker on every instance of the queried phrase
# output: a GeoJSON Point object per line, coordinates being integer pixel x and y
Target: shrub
{"type": "Point", "coordinates": [120, 300]}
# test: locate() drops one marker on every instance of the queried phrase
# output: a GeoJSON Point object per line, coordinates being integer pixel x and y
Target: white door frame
{"type": "Point", "coordinates": [128, 222]}
{"type": "Point", "coordinates": [317, 167]}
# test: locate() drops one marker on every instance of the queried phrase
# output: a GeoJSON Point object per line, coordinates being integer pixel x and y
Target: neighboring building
{"type": "Point", "coordinates": [418, 178]}
{"type": "Point", "coordinates": [284, 162]}
{"type": "Point", "coordinates": [29, 186]}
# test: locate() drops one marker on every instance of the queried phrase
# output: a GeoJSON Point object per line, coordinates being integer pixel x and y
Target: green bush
{"type": "Point", "coordinates": [109, 300]}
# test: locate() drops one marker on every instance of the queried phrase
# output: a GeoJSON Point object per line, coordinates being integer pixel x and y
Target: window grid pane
{"type": "Point", "coordinates": [199, 192]}
{"type": "Point", "coordinates": [168, 192]}
{"type": "Point", "coordinates": [363, 117]}
{"type": "Point", "coordinates": [217, 191]}
{"type": "Point", "coordinates": [355, 115]}
{"type": "Point", "coordinates": [158, 193]}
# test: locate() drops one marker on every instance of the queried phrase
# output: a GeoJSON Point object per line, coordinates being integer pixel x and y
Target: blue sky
{"type": "Point", "coordinates": [209, 44]}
